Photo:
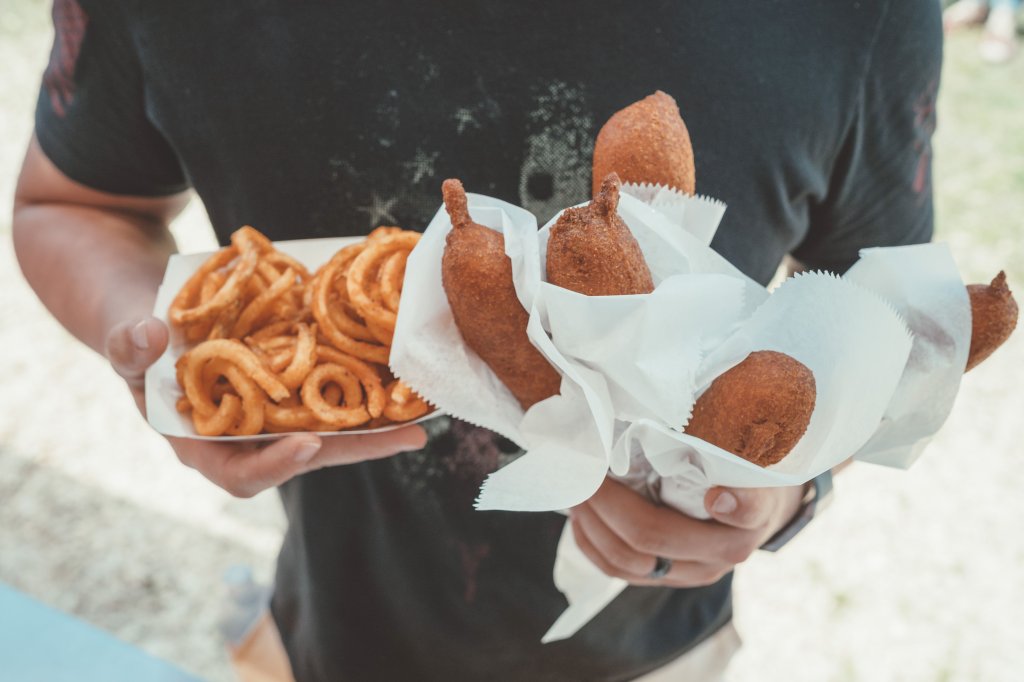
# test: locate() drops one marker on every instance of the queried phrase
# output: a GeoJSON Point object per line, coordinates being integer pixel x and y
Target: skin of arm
{"type": "Point", "coordinates": [96, 260]}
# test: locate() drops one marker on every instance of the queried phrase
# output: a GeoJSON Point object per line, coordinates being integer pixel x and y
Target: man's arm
{"type": "Point", "coordinates": [96, 260]}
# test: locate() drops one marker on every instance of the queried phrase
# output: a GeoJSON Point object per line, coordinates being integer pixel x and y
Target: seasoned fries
{"type": "Point", "coordinates": [278, 349]}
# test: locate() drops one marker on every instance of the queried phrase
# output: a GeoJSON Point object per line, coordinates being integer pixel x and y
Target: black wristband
{"type": "Point", "coordinates": [816, 498]}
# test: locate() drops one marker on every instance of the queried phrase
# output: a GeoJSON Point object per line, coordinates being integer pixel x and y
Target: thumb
{"type": "Point", "coordinates": [361, 447]}
{"type": "Point", "coordinates": [741, 508]}
{"type": "Point", "coordinates": [133, 345]}
{"type": "Point", "coordinates": [374, 446]}
{"type": "Point", "coordinates": [245, 473]}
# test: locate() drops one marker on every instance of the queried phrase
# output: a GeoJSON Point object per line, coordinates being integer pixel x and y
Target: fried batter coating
{"type": "Point", "coordinates": [759, 409]}
{"type": "Point", "coordinates": [592, 252]}
{"type": "Point", "coordinates": [477, 279]}
{"type": "Point", "coordinates": [993, 318]}
{"type": "Point", "coordinates": [646, 142]}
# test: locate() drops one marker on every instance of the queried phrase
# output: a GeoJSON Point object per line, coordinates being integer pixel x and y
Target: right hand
{"type": "Point", "coordinates": [624, 534]}
{"type": "Point", "coordinates": [245, 468]}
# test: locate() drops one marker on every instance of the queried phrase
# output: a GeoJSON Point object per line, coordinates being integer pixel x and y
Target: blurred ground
{"type": "Point", "coordinates": [909, 576]}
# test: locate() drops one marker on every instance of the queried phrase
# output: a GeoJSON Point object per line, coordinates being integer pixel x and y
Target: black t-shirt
{"type": "Point", "coordinates": [812, 120]}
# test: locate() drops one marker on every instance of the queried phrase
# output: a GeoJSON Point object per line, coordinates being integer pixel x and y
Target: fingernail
{"type": "Point", "coordinates": [725, 503]}
{"type": "Point", "coordinates": [139, 336]}
{"type": "Point", "coordinates": [306, 451]}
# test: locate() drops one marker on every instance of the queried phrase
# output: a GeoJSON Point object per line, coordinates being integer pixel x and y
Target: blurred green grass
{"type": "Point", "coordinates": [979, 161]}
{"type": "Point", "coordinates": [21, 17]}
{"type": "Point", "coordinates": [25, 37]}
{"type": "Point", "coordinates": [24, 28]}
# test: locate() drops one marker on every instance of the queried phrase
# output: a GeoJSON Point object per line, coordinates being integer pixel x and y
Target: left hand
{"type": "Point", "coordinates": [623, 533]}
{"type": "Point", "coordinates": [241, 468]}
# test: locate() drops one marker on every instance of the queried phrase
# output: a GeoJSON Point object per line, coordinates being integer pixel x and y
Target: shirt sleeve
{"type": "Point", "coordinates": [880, 189]}
{"type": "Point", "coordinates": [91, 118]}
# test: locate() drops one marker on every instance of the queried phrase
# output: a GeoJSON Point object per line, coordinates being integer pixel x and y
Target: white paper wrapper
{"type": "Point", "coordinates": [428, 352]}
{"type": "Point", "coordinates": [699, 215]}
{"type": "Point", "coordinates": [632, 367]}
{"type": "Point", "coordinates": [571, 466]}
{"type": "Point", "coordinates": [570, 438]}
{"type": "Point", "coordinates": [627, 355]}
{"type": "Point", "coordinates": [429, 355]}
{"type": "Point", "coordinates": [923, 283]}
{"type": "Point", "coordinates": [814, 318]}
{"type": "Point", "coordinates": [587, 589]}
{"type": "Point", "coordinates": [162, 390]}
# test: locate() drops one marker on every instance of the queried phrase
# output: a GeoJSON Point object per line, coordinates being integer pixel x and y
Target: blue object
{"type": "Point", "coordinates": [247, 602]}
{"type": "Point", "coordinates": [41, 644]}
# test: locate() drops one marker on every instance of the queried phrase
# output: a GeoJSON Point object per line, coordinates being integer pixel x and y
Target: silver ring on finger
{"type": "Point", "coordinates": [661, 568]}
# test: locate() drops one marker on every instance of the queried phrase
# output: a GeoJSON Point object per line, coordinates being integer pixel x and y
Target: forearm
{"type": "Point", "coordinates": [93, 258]}
{"type": "Point", "coordinates": [91, 267]}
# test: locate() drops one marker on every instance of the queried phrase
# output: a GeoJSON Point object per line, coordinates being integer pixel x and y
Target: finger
{"type": "Point", "coordinates": [243, 471]}
{"type": "Point", "coordinates": [749, 508]}
{"type": "Point", "coordinates": [590, 551]}
{"type": "Point", "coordinates": [682, 574]}
{"type": "Point", "coordinates": [360, 447]}
{"type": "Point", "coordinates": [202, 454]}
{"type": "Point", "coordinates": [132, 346]}
{"type": "Point", "coordinates": [627, 562]}
{"type": "Point", "coordinates": [661, 531]}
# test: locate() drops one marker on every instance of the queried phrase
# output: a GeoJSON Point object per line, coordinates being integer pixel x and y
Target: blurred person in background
{"type": "Point", "coordinates": [999, 42]}
{"type": "Point", "coordinates": [812, 123]}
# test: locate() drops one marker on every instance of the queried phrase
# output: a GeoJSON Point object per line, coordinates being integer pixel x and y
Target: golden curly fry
{"type": "Point", "coordinates": [271, 329]}
{"type": "Point", "coordinates": [348, 322]}
{"type": "Point", "coordinates": [392, 272]}
{"type": "Point", "coordinates": [211, 285]}
{"type": "Point", "coordinates": [283, 418]}
{"type": "Point", "coordinates": [361, 275]}
{"type": "Point", "coordinates": [353, 413]}
{"type": "Point", "coordinates": [189, 292]}
{"type": "Point", "coordinates": [328, 327]}
{"type": "Point", "coordinates": [236, 353]}
{"type": "Point", "coordinates": [303, 358]}
{"type": "Point", "coordinates": [218, 423]}
{"type": "Point", "coordinates": [282, 261]}
{"type": "Point", "coordinates": [258, 306]}
{"type": "Point", "coordinates": [310, 361]}
{"type": "Point", "coordinates": [403, 404]}
{"type": "Point", "coordinates": [368, 377]}
{"type": "Point", "coordinates": [231, 291]}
